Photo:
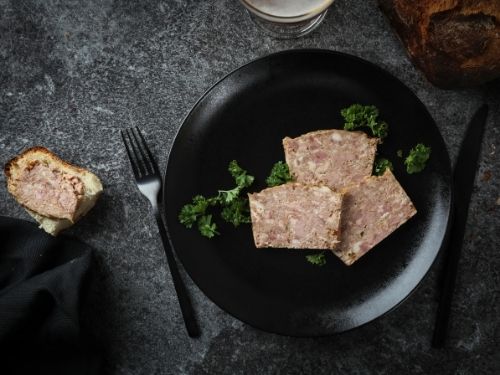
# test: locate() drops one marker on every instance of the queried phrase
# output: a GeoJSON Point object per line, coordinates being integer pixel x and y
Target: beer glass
{"type": "Point", "coordinates": [287, 18]}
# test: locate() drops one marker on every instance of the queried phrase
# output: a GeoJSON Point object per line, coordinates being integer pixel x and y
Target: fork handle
{"type": "Point", "coordinates": [180, 288]}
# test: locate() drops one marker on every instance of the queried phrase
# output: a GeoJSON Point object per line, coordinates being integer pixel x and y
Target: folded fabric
{"type": "Point", "coordinates": [41, 282]}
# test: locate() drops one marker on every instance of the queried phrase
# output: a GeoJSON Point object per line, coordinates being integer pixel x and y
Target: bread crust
{"type": "Point", "coordinates": [456, 43]}
{"type": "Point", "coordinates": [45, 151]}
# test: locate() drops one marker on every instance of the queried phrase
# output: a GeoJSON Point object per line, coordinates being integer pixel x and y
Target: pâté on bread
{"type": "Point", "coordinates": [54, 192]}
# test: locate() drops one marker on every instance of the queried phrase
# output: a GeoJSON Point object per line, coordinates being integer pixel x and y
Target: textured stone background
{"type": "Point", "coordinates": [74, 72]}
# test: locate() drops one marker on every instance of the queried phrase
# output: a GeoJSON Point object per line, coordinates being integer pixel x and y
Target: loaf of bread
{"type": "Point", "coordinates": [54, 192]}
{"type": "Point", "coordinates": [456, 43]}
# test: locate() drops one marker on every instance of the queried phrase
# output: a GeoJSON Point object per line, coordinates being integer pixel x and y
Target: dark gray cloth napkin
{"type": "Point", "coordinates": [41, 285]}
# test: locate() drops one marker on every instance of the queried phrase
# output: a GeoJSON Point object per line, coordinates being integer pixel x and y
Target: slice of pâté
{"type": "Point", "coordinates": [335, 158]}
{"type": "Point", "coordinates": [371, 211]}
{"type": "Point", "coordinates": [296, 216]}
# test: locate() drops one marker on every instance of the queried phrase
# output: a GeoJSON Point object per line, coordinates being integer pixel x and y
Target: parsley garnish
{"type": "Point", "coordinates": [237, 212]}
{"type": "Point", "coordinates": [317, 259]}
{"type": "Point", "coordinates": [227, 196]}
{"type": "Point", "coordinates": [190, 213]}
{"type": "Point", "coordinates": [381, 164]}
{"type": "Point", "coordinates": [357, 116]}
{"type": "Point", "coordinates": [242, 179]}
{"type": "Point", "coordinates": [417, 158]}
{"type": "Point", "coordinates": [235, 209]}
{"type": "Point", "coordinates": [399, 153]}
{"type": "Point", "coordinates": [280, 174]}
{"type": "Point", "coordinates": [206, 227]}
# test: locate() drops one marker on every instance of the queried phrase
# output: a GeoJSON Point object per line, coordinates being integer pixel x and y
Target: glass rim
{"type": "Point", "coordinates": [288, 19]}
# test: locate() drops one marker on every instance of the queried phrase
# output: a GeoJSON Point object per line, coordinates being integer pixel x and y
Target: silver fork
{"type": "Point", "coordinates": [148, 180]}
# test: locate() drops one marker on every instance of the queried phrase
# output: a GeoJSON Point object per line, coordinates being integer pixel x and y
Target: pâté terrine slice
{"type": "Point", "coordinates": [335, 158]}
{"type": "Point", "coordinates": [371, 211]}
{"type": "Point", "coordinates": [296, 216]}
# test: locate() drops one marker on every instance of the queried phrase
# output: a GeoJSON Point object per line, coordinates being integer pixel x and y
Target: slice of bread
{"type": "Point", "coordinates": [52, 224]}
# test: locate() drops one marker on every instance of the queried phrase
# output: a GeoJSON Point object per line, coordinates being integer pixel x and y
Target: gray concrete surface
{"type": "Point", "coordinates": [74, 72]}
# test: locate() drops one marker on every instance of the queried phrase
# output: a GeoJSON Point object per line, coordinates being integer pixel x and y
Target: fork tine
{"type": "Point", "coordinates": [147, 164]}
{"type": "Point", "coordinates": [139, 153]}
{"type": "Point", "coordinates": [151, 159]}
{"type": "Point", "coordinates": [131, 153]}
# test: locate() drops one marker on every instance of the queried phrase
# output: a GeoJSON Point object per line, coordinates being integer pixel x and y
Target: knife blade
{"type": "Point", "coordinates": [463, 184]}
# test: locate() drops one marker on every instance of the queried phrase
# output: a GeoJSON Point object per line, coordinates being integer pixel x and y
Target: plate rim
{"type": "Point", "coordinates": [450, 203]}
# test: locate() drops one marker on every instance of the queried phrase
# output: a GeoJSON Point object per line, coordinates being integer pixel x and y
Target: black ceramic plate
{"type": "Point", "coordinates": [244, 117]}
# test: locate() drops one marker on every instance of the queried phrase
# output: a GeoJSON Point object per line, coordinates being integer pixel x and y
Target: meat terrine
{"type": "Point", "coordinates": [296, 216]}
{"type": "Point", "coordinates": [371, 211]}
{"type": "Point", "coordinates": [335, 158]}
